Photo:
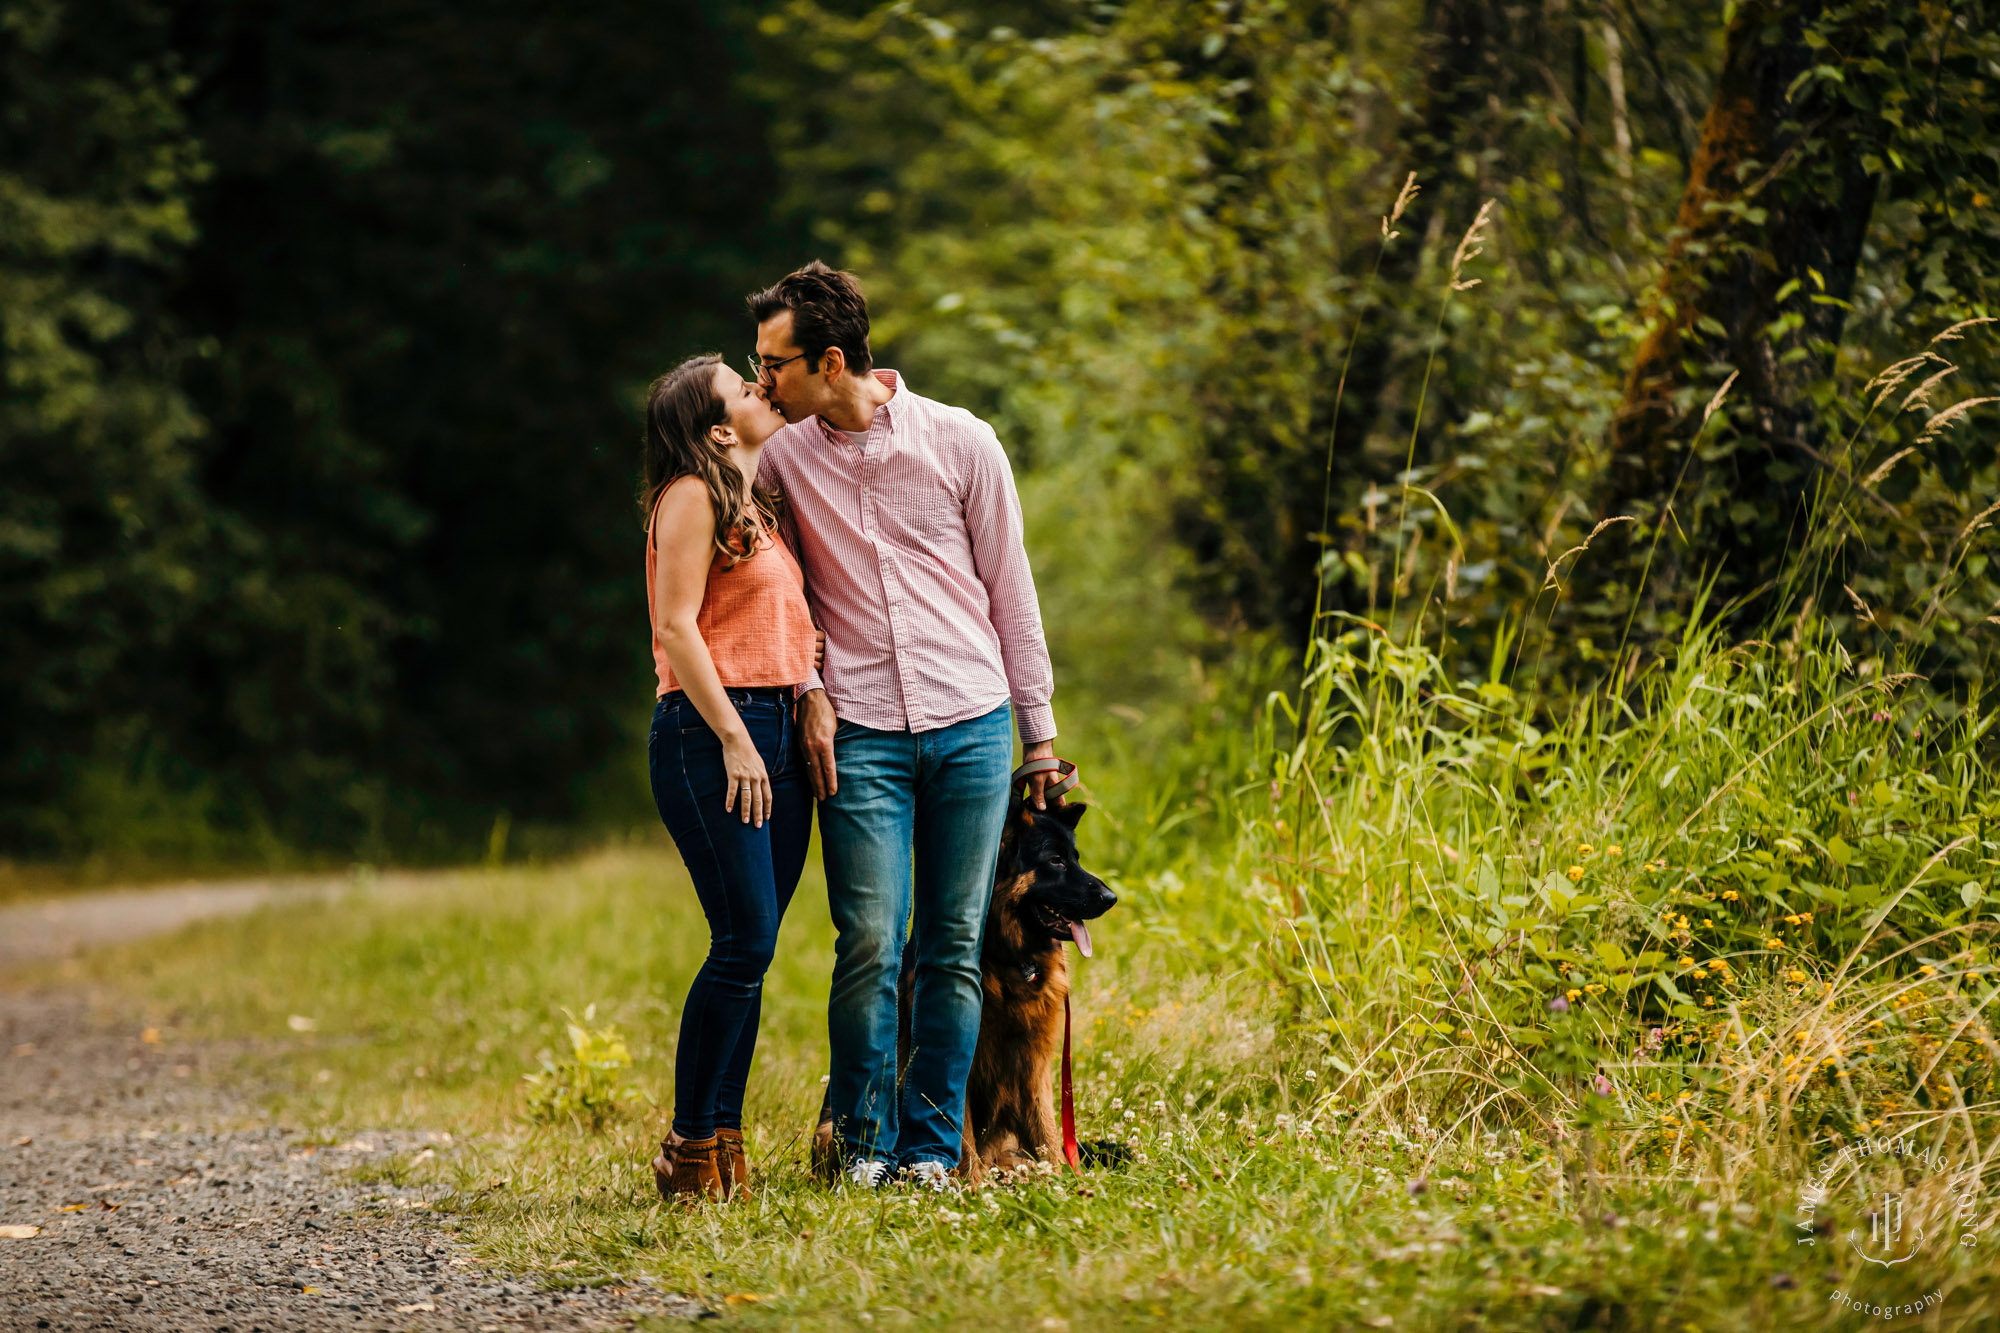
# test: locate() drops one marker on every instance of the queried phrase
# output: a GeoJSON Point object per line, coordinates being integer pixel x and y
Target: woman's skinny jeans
{"type": "Point", "coordinates": [744, 876]}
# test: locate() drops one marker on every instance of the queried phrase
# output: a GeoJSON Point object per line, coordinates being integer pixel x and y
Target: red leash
{"type": "Point", "coordinates": [1070, 1154]}
{"type": "Point", "coordinates": [1065, 781]}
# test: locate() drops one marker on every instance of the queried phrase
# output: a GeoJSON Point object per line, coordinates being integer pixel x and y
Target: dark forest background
{"type": "Point", "coordinates": [322, 335]}
{"type": "Point", "coordinates": [326, 328]}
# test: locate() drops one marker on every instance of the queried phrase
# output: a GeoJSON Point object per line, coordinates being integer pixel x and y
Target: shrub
{"type": "Point", "coordinates": [589, 1089]}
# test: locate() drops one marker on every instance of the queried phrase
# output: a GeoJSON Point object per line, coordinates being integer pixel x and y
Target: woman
{"type": "Point", "coordinates": [731, 637]}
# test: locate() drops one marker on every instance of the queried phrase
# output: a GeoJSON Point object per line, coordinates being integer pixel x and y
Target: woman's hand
{"type": "Point", "coordinates": [749, 790]}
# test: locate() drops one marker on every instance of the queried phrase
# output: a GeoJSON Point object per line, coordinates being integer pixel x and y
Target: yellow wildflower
{"type": "Point", "coordinates": [1573, 994]}
{"type": "Point", "coordinates": [1583, 849]}
{"type": "Point", "coordinates": [1795, 976]}
{"type": "Point", "coordinates": [1792, 920]}
{"type": "Point", "coordinates": [1687, 961]}
{"type": "Point", "coordinates": [1594, 989]}
{"type": "Point", "coordinates": [1575, 873]}
{"type": "Point", "coordinates": [1774, 943]}
{"type": "Point", "coordinates": [1729, 895]}
{"type": "Point", "coordinates": [1613, 850]}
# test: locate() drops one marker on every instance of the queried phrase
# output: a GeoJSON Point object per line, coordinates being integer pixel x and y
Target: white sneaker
{"type": "Point", "coordinates": [932, 1176]}
{"type": "Point", "coordinates": [867, 1173]}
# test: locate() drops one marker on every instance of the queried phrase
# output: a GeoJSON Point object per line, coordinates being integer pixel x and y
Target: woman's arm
{"type": "Point", "coordinates": [683, 537]}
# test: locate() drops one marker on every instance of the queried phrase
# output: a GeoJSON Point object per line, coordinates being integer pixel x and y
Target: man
{"type": "Point", "coordinates": [910, 533]}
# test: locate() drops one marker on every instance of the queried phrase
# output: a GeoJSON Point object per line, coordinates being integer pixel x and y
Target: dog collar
{"type": "Point", "coordinates": [1064, 783]}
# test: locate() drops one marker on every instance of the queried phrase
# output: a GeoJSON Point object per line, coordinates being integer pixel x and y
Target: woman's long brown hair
{"type": "Point", "coordinates": [682, 407]}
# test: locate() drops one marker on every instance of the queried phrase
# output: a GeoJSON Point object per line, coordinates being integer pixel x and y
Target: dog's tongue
{"type": "Point", "coordinates": [1081, 934]}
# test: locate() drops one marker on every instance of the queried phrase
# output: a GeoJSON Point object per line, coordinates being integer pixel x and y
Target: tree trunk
{"type": "Point", "coordinates": [1757, 274]}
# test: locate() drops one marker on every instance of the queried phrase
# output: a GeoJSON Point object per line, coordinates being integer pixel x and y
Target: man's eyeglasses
{"type": "Point", "coordinates": [768, 370]}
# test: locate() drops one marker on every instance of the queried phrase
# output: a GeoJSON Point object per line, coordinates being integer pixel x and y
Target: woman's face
{"type": "Point", "coordinates": [747, 410]}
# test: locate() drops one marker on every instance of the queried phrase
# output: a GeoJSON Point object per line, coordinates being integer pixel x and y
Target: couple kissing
{"type": "Point", "coordinates": [843, 617]}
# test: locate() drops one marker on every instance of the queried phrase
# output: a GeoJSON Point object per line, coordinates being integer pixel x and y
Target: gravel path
{"type": "Point", "coordinates": [162, 1202]}
{"type": "Point", "coordinates": [60, 926]}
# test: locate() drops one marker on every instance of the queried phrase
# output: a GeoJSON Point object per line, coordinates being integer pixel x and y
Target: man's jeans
{"type": "Point", "coordinates": [931, 801]}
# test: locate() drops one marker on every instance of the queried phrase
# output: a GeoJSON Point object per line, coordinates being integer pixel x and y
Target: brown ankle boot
{"type": "Point", "coordinates": [732, 1162]}
{"type": "Point", "coordinates": [688, 1171]}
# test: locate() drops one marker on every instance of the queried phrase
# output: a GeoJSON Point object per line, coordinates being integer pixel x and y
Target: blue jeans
{"type": "Point", "coordinates": [927, 805]}
{"type": "Point", "coordinates": [744, 877]}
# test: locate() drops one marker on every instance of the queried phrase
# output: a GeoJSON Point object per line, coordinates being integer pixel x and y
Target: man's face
{"type": "Point", "coordinates": [792, 388]}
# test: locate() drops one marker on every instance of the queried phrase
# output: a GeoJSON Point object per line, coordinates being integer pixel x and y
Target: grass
{"type": "Point", "coordinates": [1257, 1200]}
{"type": "Point", "coordinates": [1426, 1004]}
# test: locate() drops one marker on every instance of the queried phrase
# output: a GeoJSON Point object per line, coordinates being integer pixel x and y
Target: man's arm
{"type": "Point", "coordinates": [1000, 555]}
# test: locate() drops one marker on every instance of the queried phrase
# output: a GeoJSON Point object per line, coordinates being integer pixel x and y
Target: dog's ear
{"type": "Point", "coordinates": [1069, 813]}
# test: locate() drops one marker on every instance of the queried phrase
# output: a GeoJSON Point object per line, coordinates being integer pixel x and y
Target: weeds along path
{"type": "Point", "coordinates": [161, 1198]}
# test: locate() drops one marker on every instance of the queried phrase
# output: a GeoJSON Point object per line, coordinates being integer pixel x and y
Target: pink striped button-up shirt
{"type": "Point", "coordinates": [915, 568]}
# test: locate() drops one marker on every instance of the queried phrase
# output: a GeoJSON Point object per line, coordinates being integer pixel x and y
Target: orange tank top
{"type": "Point", "coordinates": [753, 617]}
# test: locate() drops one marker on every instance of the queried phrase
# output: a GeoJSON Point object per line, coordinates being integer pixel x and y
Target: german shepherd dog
{"type": "Point", "coordinates": [1042, 899]}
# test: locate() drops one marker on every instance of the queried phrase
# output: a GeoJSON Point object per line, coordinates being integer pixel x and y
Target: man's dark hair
{"type": "Point", "coordinates": [828, 310]}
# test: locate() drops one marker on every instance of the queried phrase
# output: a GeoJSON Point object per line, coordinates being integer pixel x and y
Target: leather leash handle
{"type": "Point", "coordinates": [1063, 785]}
{"type": "Point", "coordinates": [1070, 1153]}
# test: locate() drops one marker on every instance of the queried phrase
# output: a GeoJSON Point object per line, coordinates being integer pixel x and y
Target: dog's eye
{"type": "Point", "coordinates": [1058, 863]}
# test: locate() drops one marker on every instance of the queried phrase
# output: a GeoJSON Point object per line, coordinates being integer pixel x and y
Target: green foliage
{"type": "Point", "coordinates": [319, 534]}
{"type": "Point", "coordinates": [1808, 250]}
{"type": "Point", "coordinates": [1198, 287]}
{"type": "Point", "coordinates": [1446, 869]}
{"type": "Point", "coordinates": [1254, 1200]}
{"type": "Point", "coordinates": [104, 528]}
{"type": "Point", "coordinates": [1179, 288]}
{"type": "Point", "coordinates": [591, 1087]}
{"type": "Point", "coordinates": [323, 348]}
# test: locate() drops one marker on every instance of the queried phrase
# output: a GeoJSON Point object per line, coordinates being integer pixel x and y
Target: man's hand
{"type": "Point", "coordinates": [1038, 783]}
{"type": "Point", "coordinates": [816, 723]}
